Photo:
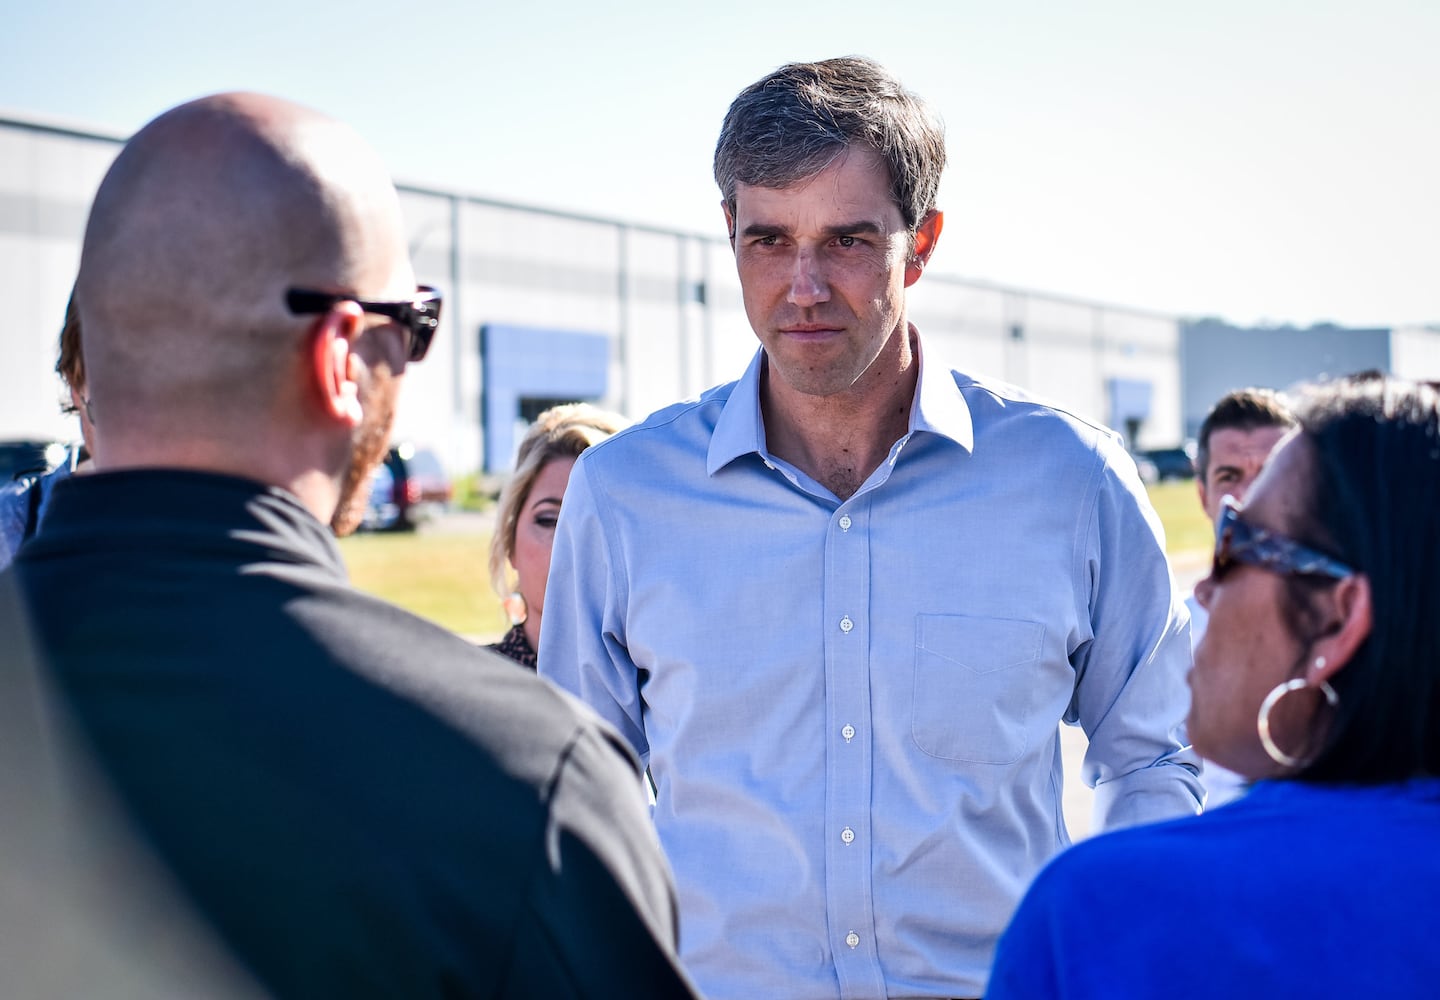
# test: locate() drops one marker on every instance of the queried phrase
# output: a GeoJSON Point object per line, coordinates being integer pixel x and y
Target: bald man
{"type": "Point", "coordinates": [358, 802]}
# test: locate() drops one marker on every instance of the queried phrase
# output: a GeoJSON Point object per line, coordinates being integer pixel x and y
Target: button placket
{"type": "Point", "coordinates": [848, 874]}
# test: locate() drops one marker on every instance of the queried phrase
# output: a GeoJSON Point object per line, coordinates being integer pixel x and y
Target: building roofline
{"type": "Point", "coordinates": [58, 126]}
{"type": "Point", "coordinates": [78, 130]}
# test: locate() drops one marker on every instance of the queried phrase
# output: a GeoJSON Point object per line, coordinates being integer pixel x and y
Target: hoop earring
{"type": "Point", "coordinates": [515, 608]}
{"type": "Point", "coordinates": [1262, 721]}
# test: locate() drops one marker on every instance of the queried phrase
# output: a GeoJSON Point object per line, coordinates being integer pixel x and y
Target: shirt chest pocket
{"type": "Point", "coordinates": [976, 687]}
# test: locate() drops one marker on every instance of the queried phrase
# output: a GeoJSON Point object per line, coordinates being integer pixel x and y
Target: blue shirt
{"type": "Point", "coordinates": [850, 709]}
{"type": "Point", "coordinates": [15, 498]}
{"type": "Point", "coordinates": [1295, 890]}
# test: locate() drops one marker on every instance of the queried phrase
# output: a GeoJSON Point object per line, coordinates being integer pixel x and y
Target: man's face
{"type": "Point", "coordinates": [1236, 457]}
{"type": "Point", "coordinates": [823, 267]}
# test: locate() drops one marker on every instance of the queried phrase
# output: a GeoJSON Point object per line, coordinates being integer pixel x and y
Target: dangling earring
{"type": "Point", "coordinates": [515, 608]}
{"type": "Point", "coordinates": [1262, 721]}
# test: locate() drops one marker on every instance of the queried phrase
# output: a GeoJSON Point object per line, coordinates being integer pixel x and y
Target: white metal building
{"type": "Point", "coordinates": [544, 305]}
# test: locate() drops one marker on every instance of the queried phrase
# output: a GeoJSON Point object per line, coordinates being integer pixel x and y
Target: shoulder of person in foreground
{"type": "Point", "coordinates": [600, 917]}
{"type": "Point", "coordinates": [428, 784]}
{"type": "Point", "coordinates": [1093, 924]}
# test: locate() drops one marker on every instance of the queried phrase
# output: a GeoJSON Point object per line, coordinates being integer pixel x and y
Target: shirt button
{"type": "Point", "coordinates": [852, 939]}
{"type": "Point", "coordinates": [847, 835]}
{"type": "Point", "coordinates": [845, 522]}
{"type": "Point", "coordinates": [846, 624]}
{"type": "Point", "coordinates": [848, 732]}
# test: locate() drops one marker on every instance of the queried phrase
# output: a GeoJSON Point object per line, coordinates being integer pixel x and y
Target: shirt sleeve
{"type": "Point", "coordinates": [582, 642]}
{"type": "Point", "coordinates": [601, 919]}
{"type": "Point", "coordinates": [1131, 695]}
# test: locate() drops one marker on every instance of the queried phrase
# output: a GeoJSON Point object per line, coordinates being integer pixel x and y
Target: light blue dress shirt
{"type": "Point", "coordinates": [850, 709]}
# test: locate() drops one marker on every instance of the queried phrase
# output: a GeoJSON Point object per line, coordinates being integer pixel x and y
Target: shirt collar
{"type": "Point", "coordinates": [939, 408]}
{"type": "Point", "coordinates": [739, 430]}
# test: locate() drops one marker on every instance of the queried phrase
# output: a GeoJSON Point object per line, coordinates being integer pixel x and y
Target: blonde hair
{"type": "Point", "coordinates": [560, 432]}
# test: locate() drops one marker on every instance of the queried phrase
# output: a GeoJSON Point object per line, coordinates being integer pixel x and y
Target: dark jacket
{"type": "Point", "coordinates": [360, 802]}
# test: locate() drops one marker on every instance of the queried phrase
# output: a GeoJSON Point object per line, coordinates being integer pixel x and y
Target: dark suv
{"type": "Point", "coordinates": [1173, 463]}
{"type": "Point", "coordinates": [410, 486]}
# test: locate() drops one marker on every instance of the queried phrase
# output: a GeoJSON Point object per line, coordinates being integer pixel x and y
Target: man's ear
{"type": "Point", "coordinates": [333, 364]}
{"type": "Point", "coordinates": [927, 234]}
{"type": "Point", "coordinates": [729, 221]}
{"type": "Point", "coordinates": [1346, 625]}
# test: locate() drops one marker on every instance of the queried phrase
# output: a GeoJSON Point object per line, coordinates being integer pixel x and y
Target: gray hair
{"type": "Point", "coordinates": [790, 125]}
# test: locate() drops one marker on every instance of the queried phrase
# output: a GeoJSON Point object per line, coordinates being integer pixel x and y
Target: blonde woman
{"type": "Point", "coordinates": [529, 508]}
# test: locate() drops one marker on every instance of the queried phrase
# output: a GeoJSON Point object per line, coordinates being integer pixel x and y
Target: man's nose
{"type": "Point", "coordinates": [807, 281]}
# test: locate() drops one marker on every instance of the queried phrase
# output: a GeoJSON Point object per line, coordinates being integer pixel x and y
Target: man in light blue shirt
{"type": "Point", "coordinates": [841, 605]}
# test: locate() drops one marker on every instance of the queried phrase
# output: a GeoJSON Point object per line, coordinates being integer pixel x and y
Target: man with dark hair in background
{"type": "Point", "coordinates": [359, 802]}
{"type": "Point", "coordinates": [1235, 439]}
{"type": "Point", "coordinates": [841, 605]}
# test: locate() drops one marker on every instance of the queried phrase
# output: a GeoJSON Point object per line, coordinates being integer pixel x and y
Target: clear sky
{"type": "Point", "coordinates": [1260, 160]}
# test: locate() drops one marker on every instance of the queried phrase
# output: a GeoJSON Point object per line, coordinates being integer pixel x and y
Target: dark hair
{"type": "Point", "coordinates": [1242, 410]}
{"type": "Point", "coordinates": [70, 365]}
{"type": "Point", "coordinates": [1374, 501]}
{"type": "Point", "coordinates": [790, 125]}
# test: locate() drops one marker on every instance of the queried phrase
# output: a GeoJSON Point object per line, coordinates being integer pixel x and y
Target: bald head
{"type": "Point", "coordinates": [207, 216]}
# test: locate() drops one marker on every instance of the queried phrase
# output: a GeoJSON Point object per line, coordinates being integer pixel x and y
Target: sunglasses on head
{"type": "Point", "coordinates": [1238, 542]}
{"type": "Point", "coordinates": [420, 316]}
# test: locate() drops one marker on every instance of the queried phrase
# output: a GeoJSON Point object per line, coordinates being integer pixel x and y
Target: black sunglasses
{"type": "Point", "coordinates": [421, 315]}
{"type": "Point", "coordinates": [1238, 542]}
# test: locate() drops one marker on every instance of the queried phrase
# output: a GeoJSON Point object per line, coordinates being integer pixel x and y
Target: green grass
{"type": "Point", "coordinates": [442, 575]}
{"type": "Point", "coordinates": [1187, 529]}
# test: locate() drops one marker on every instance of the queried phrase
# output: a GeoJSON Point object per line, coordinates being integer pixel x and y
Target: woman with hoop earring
{"type": "Point", "coordinates": [1319, 679]}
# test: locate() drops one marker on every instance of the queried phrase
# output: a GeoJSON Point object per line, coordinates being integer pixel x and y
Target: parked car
{"type": "Point", "coordinates": [1149, 473]}
{"type": "Point", "coordinates": [1172, 463]}
{"type": "Point", "coordinates": [409, 487]}
{"type": "Point", "coordinates": [17, 457]}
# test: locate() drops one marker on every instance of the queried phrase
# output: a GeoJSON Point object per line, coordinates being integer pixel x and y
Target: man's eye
{"type": "Point", "coordinates": [767, 241]}
{"type": "Point", "coordinates": [846, 241]}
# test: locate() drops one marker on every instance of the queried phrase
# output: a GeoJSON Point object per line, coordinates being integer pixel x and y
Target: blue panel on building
{"type": "Point", "coordinates": [1129, 400]}
{"type": "Point", "coordinates": [529, 362]}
